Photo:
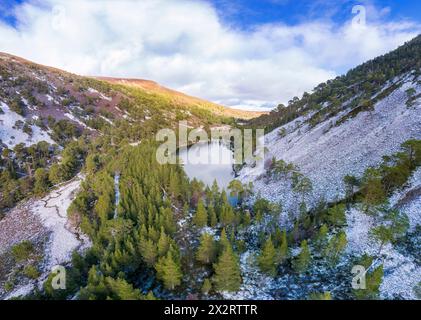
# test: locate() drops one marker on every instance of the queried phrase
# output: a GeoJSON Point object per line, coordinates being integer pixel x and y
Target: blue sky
{"type": "Point", "coordinates": [5, 10]}
{"type": "Point", "coordinates": [249, 54]}
{"type": "Point", "coordinates": [248, 13]}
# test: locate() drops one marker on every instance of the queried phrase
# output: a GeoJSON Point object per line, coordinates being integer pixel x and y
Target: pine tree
{"type": "Point", "coordinates": [321, 237]}
{"type": "Point", "coordinates": [213, 220]}
{"type": "Point", "coordinates": [396, 225]}
{"type": "Point", "coordinates": [207, 249]}
{"type": "Point", "coordinates": [163, 243]}
{"type": "Point", "coordinates": [206, 287]}
{"type": "Point", "coordinates": [148, 251]}
{"type": "Point", "coordinates": [246, 218]}
{"type": "Point", "coordinates": [223, 241]}
{"type": "Point", "coordinates": [55, 174]}
{"type": "Point", "coordinates": [295, 233]}
{"type": "Point", "coordinates": [169, 271]}
{"type": "Point", "coordinates": [41, 181]}
{"type": "Point", "coordinates": [283, 248]}
{"type": "Point", "coordinates": [351, 182]}
{"type": "Point", "coordinates": [336, 215]}
{"type": "Point", "coordinates": [227, 214]}
{"type": "Point", "coordinates": [227, 272]}
{"type": "Point", "coordinates": [267, 259]}
{"type": "Point", "coordinates": [201, 217]}
{"type": "Point", "coordinates": [259, 216]}
{"type": "Point", "coordinates": [302, 262]}
{"type": "Point", "coordinates": [122, 290]}
{"type": "Point", "coordinates": [215, 192]}
{"type": "Point", "coordinates": [334, 248]}
{"type": "Point", "coordinates": [372, 189]}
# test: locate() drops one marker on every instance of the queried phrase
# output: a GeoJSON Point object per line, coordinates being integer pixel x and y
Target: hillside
{"type": "Point", "coordinates": [43, 109]}
{"type": "Point", "coordinates": [182, 99]}
{"type": "Point", "coordinates": [356, 91]}
{"type": "Point", "coordinates": [31, 94]}
{"type": "Point", "coordinates": [352, 128]}
{"type": "Point", "coordinates": [347, 124]}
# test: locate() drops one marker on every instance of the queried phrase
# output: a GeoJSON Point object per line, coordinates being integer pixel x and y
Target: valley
{"type": "Point", "coordinates": [81, 187]}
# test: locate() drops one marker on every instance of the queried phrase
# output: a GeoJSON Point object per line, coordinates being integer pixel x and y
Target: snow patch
{"type": "Point", "coordinates": [12, 136]}
{"type": "Point", "coordinates": [401, 273]}
{"type": "Point", "coordinates": [52, 211]}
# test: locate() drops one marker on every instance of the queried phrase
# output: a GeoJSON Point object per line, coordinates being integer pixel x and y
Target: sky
{"type": "Point", "coordinates": [249, 54]}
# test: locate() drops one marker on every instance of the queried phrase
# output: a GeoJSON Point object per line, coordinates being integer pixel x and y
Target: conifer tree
{"type": "Point", "coordinates": [201, 217]}
{"type": "Point", "coordinates": [336, 215]}
{"type": "Point", "coordinates": [246, 218]}
{"type": "Point", "coordinates": [223, 241]}
{"type": "Point", "coordinates": [215, 193]}
{"type": "Point", "coordinates": [302, 262]}
{"type": "Point", "coordinates": [334, 248]}
{"type": "Point", "coordinates": [259, 216]}
{"type": "Point", "coordinates": [206, 287]}
{"type": "Point", "coordinates": [283, 248]}
{"type": "Point", "coordinates": [168, 270]}
{"type": "Point", "coordinates": [227, 272]}
{"type": "Point", "coordinates": [372, 189]}
{"type": "Point", "coordinates": [148, 251]}
{"type": "Point", "coordinates": [186, 209]}
{"type": "Point", "coordinates": [122, 290]}
{"type": "Point", "coordinates": [55, 174]}
{"type": "Point", "coordinates": [267, 259]}
{"type": "Point", "coordinates": [227, 214]}
{"type": "Point", "coordinates": [41, 181]}
{"type": "Point", "coordinates": [351, 182]}
{"type": "Point", "coordinates": [206, 252]}
{"type": "Point", "coordinates": [321, 237]}
{"type": "Point", "coordinates": [277, 236]}
{"type": "Point", "coordinates": [295, 233]}
{"type": "Point", "coordinates": [213, 220]}
{"type": "Point", "coordinates": [395, 226]}
{"type": "Point", "coordinates": [163, 243]}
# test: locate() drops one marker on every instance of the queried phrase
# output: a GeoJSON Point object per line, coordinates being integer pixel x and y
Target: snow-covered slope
{"type": "Point", "coordinates": [11, 134]}
{"type": "Point", "coordinates": [45, 217]}
{"type": "Point", "coordinates": [331, 150]}
{"type": "Point", "coordinates": [326, 153]}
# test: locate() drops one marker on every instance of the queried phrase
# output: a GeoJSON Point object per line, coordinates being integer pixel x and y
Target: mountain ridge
{"type": "Point", "coordinates": [327, 98]}
{"type": "Point", "coordinates": [182, 98]}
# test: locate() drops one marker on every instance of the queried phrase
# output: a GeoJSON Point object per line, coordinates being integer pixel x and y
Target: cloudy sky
{"type": "Point", "coordinates": [249, 54]}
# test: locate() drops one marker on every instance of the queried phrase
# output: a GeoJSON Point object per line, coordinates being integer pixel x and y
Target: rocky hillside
{"type": "Point", "coordinates": [39, 103]}
{"type": "Point", "coordinates": [346, 125]}
{"type": "Point", "coordinates": [350, 131]}
{"type": "Point", "coordinates": [330, 150]}
{"type": "Point", "coordinates": [43, 109]}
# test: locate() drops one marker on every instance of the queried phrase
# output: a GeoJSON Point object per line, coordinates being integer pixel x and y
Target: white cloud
{"type": "Point", "coordinates": [184, 45]}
